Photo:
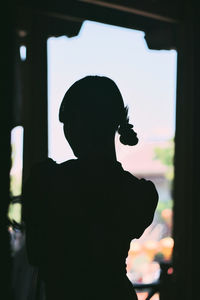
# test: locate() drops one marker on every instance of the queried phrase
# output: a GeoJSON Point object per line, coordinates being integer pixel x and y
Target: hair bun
{"type": "Point", "coordinates": [127, 135]}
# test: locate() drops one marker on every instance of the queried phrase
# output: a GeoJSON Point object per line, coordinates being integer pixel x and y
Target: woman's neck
{"type": "Point", "coordinates": [104, 151]}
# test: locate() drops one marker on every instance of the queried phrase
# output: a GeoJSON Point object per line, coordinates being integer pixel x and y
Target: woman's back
{"type": "Point", "coordinates": [88, 211]}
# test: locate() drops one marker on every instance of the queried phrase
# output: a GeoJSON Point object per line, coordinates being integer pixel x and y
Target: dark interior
{"type": "Point", "coordinates": [167, 25]}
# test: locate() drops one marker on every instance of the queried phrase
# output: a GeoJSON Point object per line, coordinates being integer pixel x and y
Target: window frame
{"type": "Point", "coordinates": [160, 34]}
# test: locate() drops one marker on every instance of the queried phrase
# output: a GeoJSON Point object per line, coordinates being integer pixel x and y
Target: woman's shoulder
{"type": "Point", "coordinates": [39, 173]}
{"type": "Point", "coordinates": [134, 179]}
{"type": "Point", "coordinates": [49, 165]}
{"type": "Point", "coordinates": [144, 185]}
{"type": "Point", "coordinates": [43, 165]}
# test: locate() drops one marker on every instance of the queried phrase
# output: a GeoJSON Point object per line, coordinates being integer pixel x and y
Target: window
{"type": "Point", "coordinates": [16, 173]}
{"type": "Point", "coordinates": [147, 81]}
{"type": "Point", "coordinates": [15, 206]}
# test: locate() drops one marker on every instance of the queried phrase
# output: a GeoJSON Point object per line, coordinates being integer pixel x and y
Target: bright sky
{"type": "Point", "coordinates": [146, 78]}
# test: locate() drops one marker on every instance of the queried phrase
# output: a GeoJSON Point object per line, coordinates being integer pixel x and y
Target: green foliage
{"type": "Point", "coordinates": [166, 157]}
{"type": "Point", "coordinates": [14, 212]}
{"type": "Point", "coordinates": [163, 205]}
{"type": "Point", "coordinates": [15, 185]}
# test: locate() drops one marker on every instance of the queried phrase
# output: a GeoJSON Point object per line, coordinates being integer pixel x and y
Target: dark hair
{"type": "Point", "coordinates": [99, 100]}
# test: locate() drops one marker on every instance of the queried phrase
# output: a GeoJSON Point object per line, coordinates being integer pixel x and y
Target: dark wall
{"type": "Point", "coordinates": [187, 162]}
{"type": "Point", "coordinates": [6, 97]}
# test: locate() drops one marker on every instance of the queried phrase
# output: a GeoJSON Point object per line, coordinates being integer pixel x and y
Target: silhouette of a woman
{"type": "Point", "coordinates": [81, 215]}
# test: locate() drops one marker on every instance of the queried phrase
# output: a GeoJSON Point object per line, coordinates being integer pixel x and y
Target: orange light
{"type": "Point", "coordinates": [151, 247]}
{"type": "Point", "coordinates": [166, 246]}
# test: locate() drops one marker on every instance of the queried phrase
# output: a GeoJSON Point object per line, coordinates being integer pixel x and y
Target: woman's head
{"type": "Point", "coordinates": [92, 111]}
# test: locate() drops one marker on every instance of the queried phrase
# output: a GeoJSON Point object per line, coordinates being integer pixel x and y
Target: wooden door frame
{"type": "Point", "coordinates": [182, 35]}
